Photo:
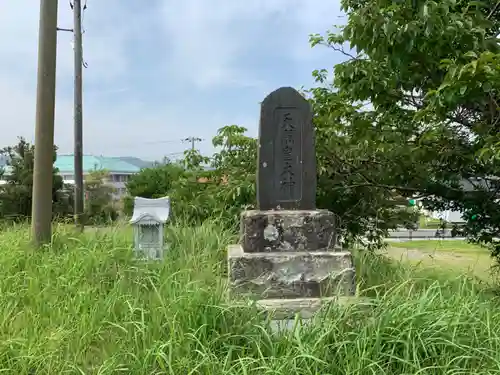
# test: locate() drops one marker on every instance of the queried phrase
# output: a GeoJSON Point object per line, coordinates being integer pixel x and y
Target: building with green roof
{"type": "Point", "coordinates": [65, 164]}
{"type": "Point", "coordinates": [119, 169]}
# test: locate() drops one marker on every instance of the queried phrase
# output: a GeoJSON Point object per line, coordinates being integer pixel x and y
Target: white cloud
{"type": "Point", "coordinates": [207, 38]}
{"type": "Point", "coordinates": [205, 44]}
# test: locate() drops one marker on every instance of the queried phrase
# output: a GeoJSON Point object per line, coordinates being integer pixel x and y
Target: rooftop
{"type": "Point", "coordinates": [65, 164]}
{"type": "Point", "coordinates": [135, 161]}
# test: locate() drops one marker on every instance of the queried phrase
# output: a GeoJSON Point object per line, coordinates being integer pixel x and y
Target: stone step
{"type": "Point", "coordinates": [290, 274]}
{"type": "Point", "coordinates": [305, 308]}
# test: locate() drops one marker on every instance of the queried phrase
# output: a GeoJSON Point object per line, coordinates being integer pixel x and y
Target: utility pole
{"type": "Point", "coordinates": [41, 210]}
{"type": "Point", "coordinates": [78, 114]}
{"type": "Point", "coordinates": [193, 140]}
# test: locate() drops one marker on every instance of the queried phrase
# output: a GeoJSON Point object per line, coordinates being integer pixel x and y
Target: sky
{"type": "Point", "coordinates": [160, 71]}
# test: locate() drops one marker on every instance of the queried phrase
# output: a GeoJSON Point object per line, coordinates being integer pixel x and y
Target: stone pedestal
{"type": "Point", "coordinates": [288, 230]}
{"type": "Point", "coordinates": [289, 255]}
{"type": "Point", "coordinates": [290, 275]}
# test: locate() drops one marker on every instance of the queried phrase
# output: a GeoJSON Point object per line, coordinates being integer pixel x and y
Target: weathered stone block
{"type": "Point", "coordinates": [306, 308]}
{"type": "Point", "coordinates": [287, 231]}
{"type": "Point", "coordinates": [290, 275]}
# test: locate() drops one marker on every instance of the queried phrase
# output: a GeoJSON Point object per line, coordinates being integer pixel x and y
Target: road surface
{"type": "Point", "coordinates": [420, 234]}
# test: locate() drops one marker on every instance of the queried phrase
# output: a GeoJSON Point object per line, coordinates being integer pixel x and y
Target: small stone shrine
{"type": "Point", "coordinates": [148, 220]}
{"type": "Point", "coordinates": [288, 251]}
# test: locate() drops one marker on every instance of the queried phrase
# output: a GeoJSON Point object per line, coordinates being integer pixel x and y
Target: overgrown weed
{"type": "Point", "coordinates": [85, 306]}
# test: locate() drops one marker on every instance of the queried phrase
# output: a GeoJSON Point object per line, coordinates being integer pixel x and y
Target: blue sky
{"type": "Point", "coordinates": [162, 70]}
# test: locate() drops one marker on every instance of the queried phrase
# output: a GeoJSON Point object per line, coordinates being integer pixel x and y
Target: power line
{"type": "Point", "coordinates": [168, 141]}
{"type": "Point", "coordinates": [188, 139]}
{"type": "Point", "coordinates": [160, 142]}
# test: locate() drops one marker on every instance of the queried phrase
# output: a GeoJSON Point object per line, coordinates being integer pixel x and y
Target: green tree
{"type": "Point", "coordinates": [356, 159]}
{"type": "Point", "coordinates": [414, 108]}
{"type": "Point", "coordinates": [200, 187]}
{"type": "Point", "coordinates": [16, 193]}
{"type": "Point", "coordinates": [218, 187]}
{"type": "Point", "coordinates": [99, 208]}
{"type": "Point", "coordinates": [154, 182]}
{"type": "Point", "coordinates": [235, 169]}
{"type": "Point", "coordinates": [191, 193]}
{"type": "Point", "coordinates": [229, 188]}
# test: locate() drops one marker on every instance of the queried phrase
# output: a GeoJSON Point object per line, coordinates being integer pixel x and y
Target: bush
{"type": "Point", "coordinates": [202, 188]}
{"type": "Point", "coordinates": [223, 191]}
{"type": "Point", "coordinates": [99, 205]}
{"type": "Point", "coordinates": [16, 193]}
{"type": "Point", "coordinates": [155, 182]}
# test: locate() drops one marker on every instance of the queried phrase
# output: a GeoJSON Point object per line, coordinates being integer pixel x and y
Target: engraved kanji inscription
{"type": "Point", "coordinates": [287, 156]}
{"type": "Point", "coordinates": [286, 174]}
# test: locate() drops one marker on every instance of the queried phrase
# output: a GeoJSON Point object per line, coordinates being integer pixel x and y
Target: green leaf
{"type": "Point", "coordinates": [429, 75]}
{"type": "Point", "coordinates": [487, 87]}
{"type": "Point", "coordinates": [446, 62]}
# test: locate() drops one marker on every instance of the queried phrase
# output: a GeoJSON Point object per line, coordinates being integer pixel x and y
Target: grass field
{"type": "Point", "coordinates": [454, 246]}
{"type": "Point", "coordinates": [454, 256]}
{"type": "Point", "coordinates": [429, 222]}
{"type": "Point", "coordinates": [85, 306]}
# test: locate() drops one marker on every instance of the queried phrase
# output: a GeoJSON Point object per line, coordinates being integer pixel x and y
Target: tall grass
{"type": "Point", "coordinates": [85, 306]}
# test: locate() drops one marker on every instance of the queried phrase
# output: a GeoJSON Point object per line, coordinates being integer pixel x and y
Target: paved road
{"type": "Point", "coordinates": [420, 234]}
{"type": "Point", "coordinates": [407, 239]}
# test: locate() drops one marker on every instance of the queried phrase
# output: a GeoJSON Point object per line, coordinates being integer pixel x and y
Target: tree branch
{"type": "Point", "coordinates": [495, 8]}
{"type": "Point", "coordinates": [370, 182]}
{"type": "Point", "coordinates": [341, 50]}
{"type": "Point", "coordinates": [382, 186]}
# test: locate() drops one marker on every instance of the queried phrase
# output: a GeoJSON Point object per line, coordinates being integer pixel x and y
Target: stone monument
{"type": "Point", "coordinates": [288, 250]}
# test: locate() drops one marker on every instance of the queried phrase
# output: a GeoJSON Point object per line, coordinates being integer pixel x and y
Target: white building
{"type": "Point", "coordinates": [119, 169]}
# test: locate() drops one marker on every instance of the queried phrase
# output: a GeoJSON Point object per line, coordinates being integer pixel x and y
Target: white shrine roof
{"type": "Point", "coordinates": [150, 211]}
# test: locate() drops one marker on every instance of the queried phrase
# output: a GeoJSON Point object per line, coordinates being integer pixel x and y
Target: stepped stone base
{"type": "Point", "coordinates": [306, 308]}
{"type": "Point", "coordinates": [287, 231]}
{"type": "Point", "coordinates": [290, 274]}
